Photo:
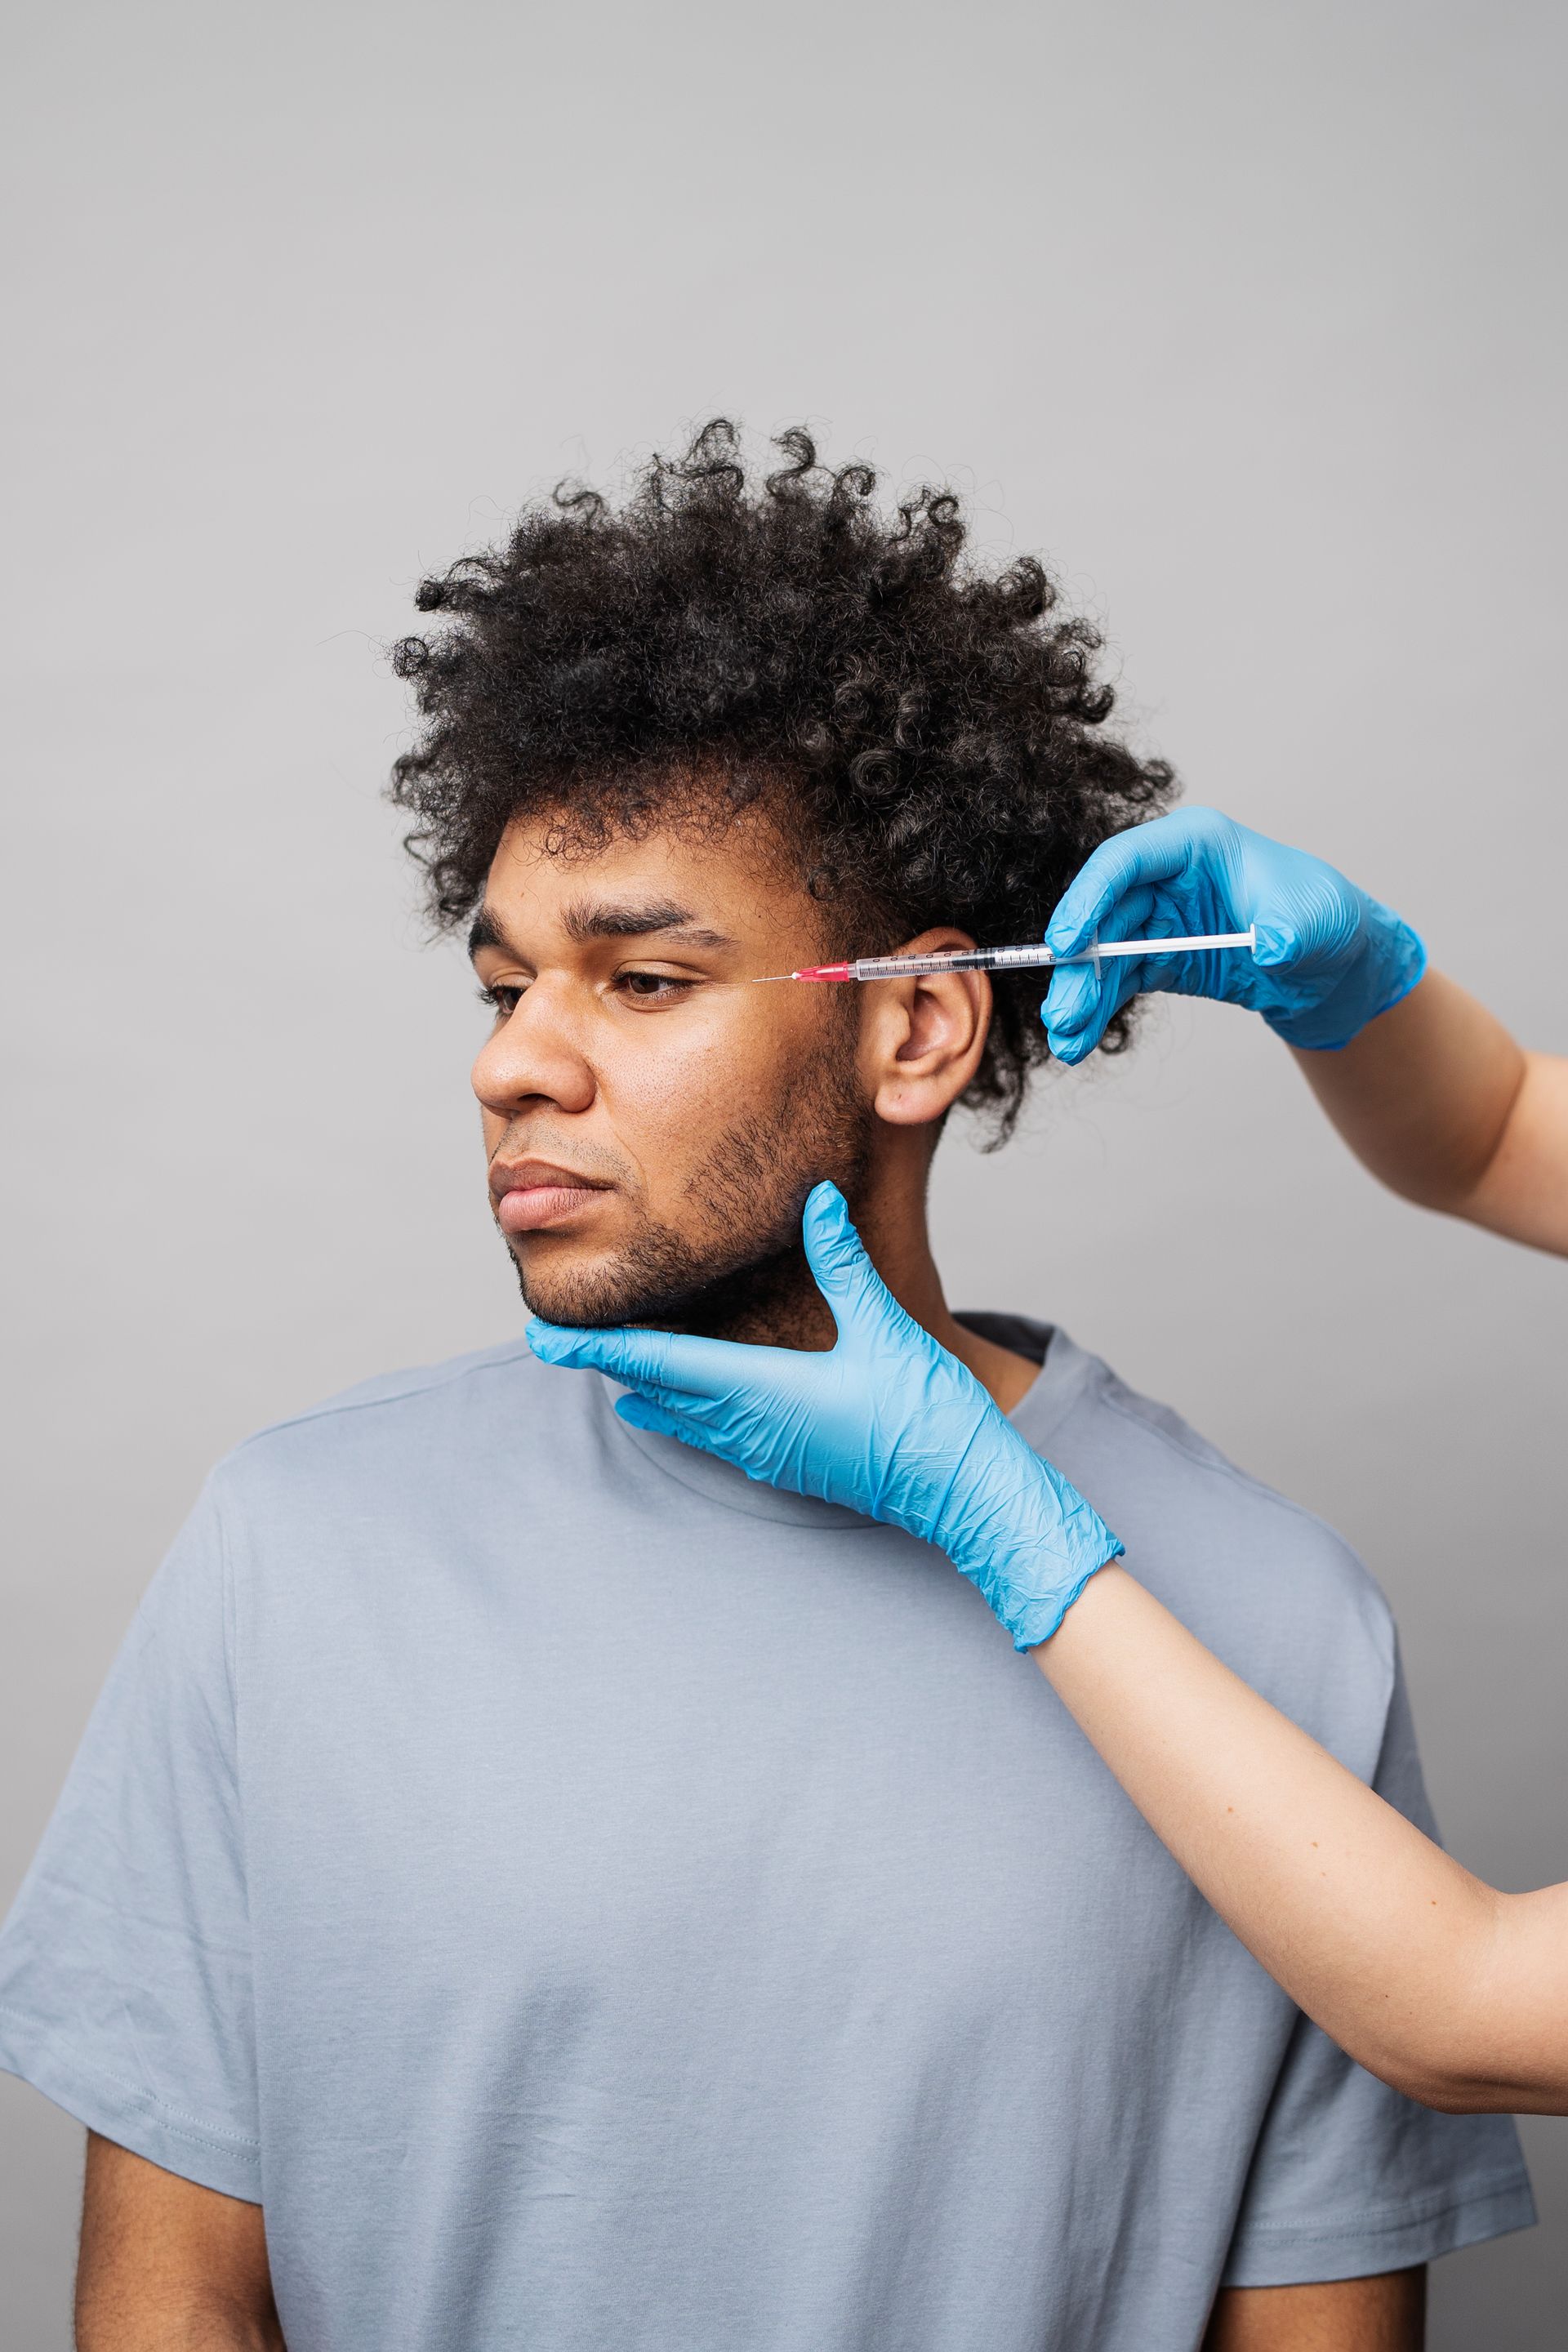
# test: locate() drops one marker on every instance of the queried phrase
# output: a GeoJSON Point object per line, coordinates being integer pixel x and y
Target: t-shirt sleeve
{"type": "Point", "coordinates": [1349, 2177]}
{"type": "Point", "coordinates": [125, 1984]}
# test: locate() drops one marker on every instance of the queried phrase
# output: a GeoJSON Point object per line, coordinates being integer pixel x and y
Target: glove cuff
{"type": "Point", "coordinates": [1393, 960]}
{"type": "Point", "coordinates": [1042, 1615]}
{"type": "Point", "coordinates": [1032, 1564]}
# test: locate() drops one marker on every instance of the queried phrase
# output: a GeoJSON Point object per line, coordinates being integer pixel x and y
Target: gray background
{"type": "Point", "coordinates": [1248, 315]}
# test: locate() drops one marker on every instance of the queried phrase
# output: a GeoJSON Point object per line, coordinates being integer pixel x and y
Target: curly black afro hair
{"type": "Point", "coordinates": [927, 734]}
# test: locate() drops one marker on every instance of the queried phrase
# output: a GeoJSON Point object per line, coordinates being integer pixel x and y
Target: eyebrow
{"type": "Point", "coordinates": [593, 919]}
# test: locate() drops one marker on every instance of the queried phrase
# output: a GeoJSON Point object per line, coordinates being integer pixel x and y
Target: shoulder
{"type": "Point", "coordinates": [1172, 1465]}
{"type": "Point", "coordinates": [1266, 1583]}
{"type": "Point", "coordinates": [395, 1425]}
{"type": "Point", "coordinates": [415, 1388]}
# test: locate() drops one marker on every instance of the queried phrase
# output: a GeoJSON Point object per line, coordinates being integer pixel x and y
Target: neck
{"type": "Point", "coordinates": [891, 1220]}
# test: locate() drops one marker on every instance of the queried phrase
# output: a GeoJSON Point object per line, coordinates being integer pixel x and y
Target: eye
{"type": "Point", "coordinates": [502, 1000]}
{"type": "Point", "coordinates": [651, 987]}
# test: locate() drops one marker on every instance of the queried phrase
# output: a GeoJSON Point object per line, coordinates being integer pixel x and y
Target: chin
{"type": "Point", "coordinates": [587, 1289]}
{"type": "Point", "coordinates": [590, 1289]}
{"type": "Point", "coordinates": [666, 1284]}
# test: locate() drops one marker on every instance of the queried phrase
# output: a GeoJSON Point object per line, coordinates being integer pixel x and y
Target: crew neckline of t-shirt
{"type": "Point", "coordinates": [1038, 1413]}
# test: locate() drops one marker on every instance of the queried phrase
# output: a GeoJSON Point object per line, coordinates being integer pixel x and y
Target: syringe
{"type": "Point", "coordinates": [1032, 952]}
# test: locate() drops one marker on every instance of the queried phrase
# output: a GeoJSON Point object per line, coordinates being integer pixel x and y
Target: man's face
{"type": "Point", "coordinates": [652, 1120]}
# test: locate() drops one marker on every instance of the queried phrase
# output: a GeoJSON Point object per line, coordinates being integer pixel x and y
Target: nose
{"type": "Point", "coordinates": [533, 1056]}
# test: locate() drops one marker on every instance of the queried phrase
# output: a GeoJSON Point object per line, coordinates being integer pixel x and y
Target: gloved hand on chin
{"type": "Point", "coordinates": [885, 1421]}
{"type": "Point", "coordinates": [1328, 959]}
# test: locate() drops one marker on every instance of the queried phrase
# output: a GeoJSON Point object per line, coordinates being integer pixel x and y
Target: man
{"type": "Point", "coordinates": [525, 1883]}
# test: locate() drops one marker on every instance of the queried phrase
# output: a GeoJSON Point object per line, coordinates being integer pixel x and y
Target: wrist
{"type": "Point", "coordinates": [1042, 1617]}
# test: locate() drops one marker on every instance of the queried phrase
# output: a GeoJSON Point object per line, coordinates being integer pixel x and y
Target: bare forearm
{"type": "Point", "coordinates": [1441, 1104]}
{"type": "Point", "coordinates": [1454, 1993]}
{"type": "Point", "coordinates": [208, 2324]}
{"type": "Point", "coordinates": [168, 2265]}
{"type": "Point", "coordinates": [1386, 2314]}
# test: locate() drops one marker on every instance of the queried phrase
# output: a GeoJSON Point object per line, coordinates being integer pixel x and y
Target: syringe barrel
{"type": "Point", "coordinates": [957, 960]}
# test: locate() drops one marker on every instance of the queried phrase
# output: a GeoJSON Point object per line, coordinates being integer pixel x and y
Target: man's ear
{"type": "Point", "coordinates": [921, 1038]}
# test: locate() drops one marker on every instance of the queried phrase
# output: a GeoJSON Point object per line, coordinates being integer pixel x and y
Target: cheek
{"type": "Point", "coordinates": [664, 1101]}
{"type": "Point", "coordinates": [670, 1097]}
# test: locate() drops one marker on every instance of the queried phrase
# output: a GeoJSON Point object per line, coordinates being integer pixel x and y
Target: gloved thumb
{"type": "Point", "coordinates": [837, 1255]}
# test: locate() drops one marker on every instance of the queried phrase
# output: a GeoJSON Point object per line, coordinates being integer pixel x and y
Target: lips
{"type": "Point", "coordinates": [532, 1193]}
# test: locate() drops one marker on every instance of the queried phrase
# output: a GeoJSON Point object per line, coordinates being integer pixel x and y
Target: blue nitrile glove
{"type": "Point", "coordinates": [1328, 961]}
{"type": "Point", "coordinates": [885, 1421]}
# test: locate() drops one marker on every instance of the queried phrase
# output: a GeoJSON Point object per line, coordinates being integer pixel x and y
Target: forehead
{"type": "Point", "coordinates": [738, 878]}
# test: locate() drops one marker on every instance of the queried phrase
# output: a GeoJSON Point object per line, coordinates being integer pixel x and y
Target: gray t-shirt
{"type": "Point", "coordinates": [599, 1904]}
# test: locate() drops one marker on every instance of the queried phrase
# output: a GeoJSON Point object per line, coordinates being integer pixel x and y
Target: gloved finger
{"type": "Point", "coordinates": [1081, 993]}
{"type": "Point", "coordinates": [1144, 854]}
{"type": "Point", "coordinates": [641, 1359]}
{"type": "Point", "coordinates": [1085, 997]}
{"type": "Point", "coordinates": [837, 1255]}
{"type": "Point", "coordinates": [1108, 993]}
{"type": "Point", "coordinates": [1077, 1008]}
{"type": "Point", "coordinates": [663, 1398]}
{"type": "Point", "coordinates": [672, 1367]}
{"type": "Point", "coordinates": [642, 1414]}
